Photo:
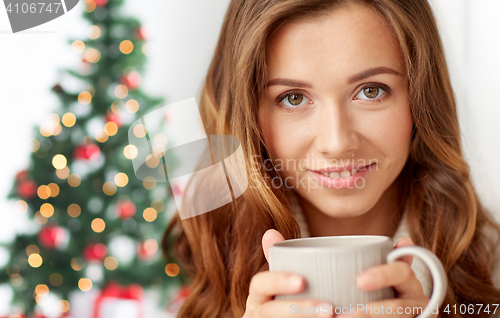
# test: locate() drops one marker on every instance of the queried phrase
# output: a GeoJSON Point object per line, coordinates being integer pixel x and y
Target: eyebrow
{"type": "Point", "coordinates": [351, 80]}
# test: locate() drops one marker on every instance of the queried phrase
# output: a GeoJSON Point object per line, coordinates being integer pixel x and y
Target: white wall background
{"type": "Point", "coordinates": [183, 35]}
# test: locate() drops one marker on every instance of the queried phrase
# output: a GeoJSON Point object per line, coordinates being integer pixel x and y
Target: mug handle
{"type": "Point", "coordinates": [432, 262]}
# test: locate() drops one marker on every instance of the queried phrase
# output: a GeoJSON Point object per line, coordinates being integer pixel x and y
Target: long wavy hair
{"type": "Point", "coordinates": [221, 250]}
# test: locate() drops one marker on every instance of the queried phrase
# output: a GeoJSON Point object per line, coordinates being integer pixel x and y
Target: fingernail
{"type": "Point", "coordinates": [294, 281]}
{"type": "Point", "coordinates": [364, 279]}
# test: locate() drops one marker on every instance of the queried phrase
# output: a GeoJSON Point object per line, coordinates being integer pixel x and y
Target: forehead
{"type": "Point", "coordinates": [346, 39]}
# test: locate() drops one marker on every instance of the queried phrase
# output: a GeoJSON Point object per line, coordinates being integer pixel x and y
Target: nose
{"type": "Point", "coordinates": [336, 133]}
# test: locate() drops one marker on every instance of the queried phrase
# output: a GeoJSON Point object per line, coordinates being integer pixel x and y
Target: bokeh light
{"type": "Point", "coordinates": [56, 279]}
{"type": "Point", "coordinates": [76, 264]}
{"type": "Point", "coordinates": [84, 98]}
{"type": "Point", "coordinates": [59, 161]}
{"type": "Point", "coordinates": [77, 47]}
{"type": "Point", "coordinates": [149, 183]}
{"type": "Point", "coordinates": [47, 210]}
{"type": "Point", "coordinates": [54, 189]}
{"type": "Point", "coordinates": [35, 260]}
{"type": "Point", "coordinates": [126, 47]}
{"type": "Point", "coordinates": [64, 306]}
{"type": "Point", "coordinates": [92, 55]}
{"type": "Point", "coordinates": [172, 269]}
{"type": "Point", "coordinates": [110, 128]}
{"type": "Point", "coordinates": [69, 119]}
{"type": "Point", "coordinates": [109, 188]}
{"type": "Point", "coordinates": [121, 91]}
{"type": "Point", "coordinates": [130, 152]}
{"type": "Point", "coordinates": [149, 214]}
{"type": "Point", "coordinates": [111, 263]}
{"type": "Point", "coordinates": [21, 206]}
{"type": "Point", "coordinates": [98, 225]}
{"type": "Point", "coordinates": [121, 179]}
{"type": "Point", "coordinates": [140, 130]}
{"type": "Point", "coordinates": [74, 210]}
{"type": "Point", "coordinates": [93, 32]}
{"type": "Point", "coordinates": [43, 192]}
{"type": "Point", "coordinates": [62, 173]}
{"type": "Point", "coordinates": [132, 106]}
{"type": "Point", "coordinates": [101, 136]}
{"type": "Point", "coordinates": [32, 249]}
{"type": "Point", "coordinates": [74, 180]}
{"type": "Point", "coordinates": [85, 284]}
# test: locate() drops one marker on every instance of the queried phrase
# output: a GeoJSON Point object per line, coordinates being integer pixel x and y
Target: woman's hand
{"type": "Point", "coordinates": [398, 274]}
{"type": "Point", "coordinates": [264, 285]}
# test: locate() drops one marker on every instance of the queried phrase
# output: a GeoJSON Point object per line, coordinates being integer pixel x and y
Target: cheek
{"type": "Point", "coordinates": [391, 132]}
{"type": "Point", "coordinates": [284, 136]}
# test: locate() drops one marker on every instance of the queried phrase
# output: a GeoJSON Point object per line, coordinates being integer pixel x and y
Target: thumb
{"type": "Point", "coordinates": [268, 239]}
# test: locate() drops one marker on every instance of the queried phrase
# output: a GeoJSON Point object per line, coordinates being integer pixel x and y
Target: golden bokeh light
{"type": "Point", "coordinates": [74, 210]}
{"type": "Point", "coordinates": [41, 289]}
{"type": "Point", "coordinates": [149, 183]}
{"type": "Point", "coordinates": [140, 130]}
{"type": "Point", "coordinates": [93, 32]}
{"type": "Point", "coordinates": [92, 55]}
{"type": "Point", "coordinates": [90, 6]}
{"type": "Point", "coordinates": [64, 306]}
{"type": "Point", "coordinates": [32, 249]}
{"type": "Point", "coordinates": [109, 188]}
{"type": "Point", "coordinates": [59, 161]}
{"type": "Point", "coordinates": [110, 128]}
{"type": "Point", "coordinates": [84, 98]}
{"type": "Point", "coordinates": [69, 119]}
{"type": "Point", "coordinates": [130, 152]}
{"type": "Point", "coordinates": [152, 161]}
{"type": "Point", "coordinates": [77, 47]}
{"type": "Point", "coordinates": [111, 263]}
{"type": "Point", "coordinates": [54, 189]}
{"type": "Point", "coordinates": [46, 129]}
{"type": "Point", "coordinates": [101, 136]}
{"type": "Point", "coordinates": [43, 192]}
{"type": "Point", "coordinates": [57, 129]}
{"type": "Point", "coordinates": [121, 91]}
{"type": "Point", "coordinates": [98, 225]}
{"type": "Point", "coordinates": [35, 260]}
{"type": "Point", "coordinates": [121, 179]}
{"type": "Point", "coordinates": [116, 105]}
{"type": "Point", "coordinates": [160, 140]}
{"type": "Point", "coordinates": [62, 173]}
{"type": "Point", "coordinates": [172, 269]}
{"type": "Point", "coordinates": [47, 210]}
{"type": "Point", "coordinates": [39, 218]}
{"type": "Point", "coordinates": [76, 264]}
{"type": "Point", "coordinates": [132, 106]}
{"type": "Point", "coordinates": [35, 145]}
{"type": "Point", "coordinates": [21, 206]}
{"type": "Point", "coordinates": [74, 180]}
{"type": "Point", "coordinates": [126, 47]}
{"type": "Point", "coordinates": [56, 279]}
{"type": "Point", "coordinates": [85, 284]}
{"type": "Point", "coordinates": [149, 214]}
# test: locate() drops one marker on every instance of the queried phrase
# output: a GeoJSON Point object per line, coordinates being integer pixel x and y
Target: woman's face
{"type": "Point", "coordinates": [336, 98]}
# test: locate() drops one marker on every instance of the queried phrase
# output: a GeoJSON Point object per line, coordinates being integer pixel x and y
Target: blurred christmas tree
{"type": "Point", "coordinates": [94, 222]}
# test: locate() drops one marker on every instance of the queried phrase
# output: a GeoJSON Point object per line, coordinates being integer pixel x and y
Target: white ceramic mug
{"type": "Point", "coordinates": [330, 265]}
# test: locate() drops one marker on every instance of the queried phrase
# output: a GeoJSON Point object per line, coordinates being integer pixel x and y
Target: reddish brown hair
{"type": "Point", "coordinates": [221, 250]}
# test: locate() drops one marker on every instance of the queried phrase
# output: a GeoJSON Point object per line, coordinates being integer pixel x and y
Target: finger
{"type": "Point", "coordinates": [405, 241]}
{"type": "Point", "coordinates": [289, 309]}
{"type": "Point", "coordinates": [387, 308]}
{"type": "Point", "coordinates": [397, 274]}
{"type": "Point", "coordinates": [264, 285]}
{"type": "Point", "coordinates": [269, 238]}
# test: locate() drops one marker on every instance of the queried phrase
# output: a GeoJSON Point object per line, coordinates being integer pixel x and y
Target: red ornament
{"type": "Point", "coordinates": [146, 250]}
{"type": "Point", "coordinates": [140, 33]}
{"type": "Point", "coordinates": [132, 80]}
{"type": "Point", "coordinates": [22, 175]}
{"type": "Point", "coordinates": [95, 252]}
{"type": "Point", "coordinates": [51, 236]}
{"type": "Point", "coordinates": [125, 209]}
{"type": "Point", "coordinates": [112, 117]}
{"type": "Point", "coordinates": [26, 189]}
{"type": "Point", "coordinates": [89, 152]}
{"type": "Point", "coordinates": [100, 3]}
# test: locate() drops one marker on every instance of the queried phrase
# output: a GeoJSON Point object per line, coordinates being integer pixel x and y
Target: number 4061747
{"type": "Point", "coordinates": [33, 7]}
{"type": "Point", "coordinates": [471, 308]}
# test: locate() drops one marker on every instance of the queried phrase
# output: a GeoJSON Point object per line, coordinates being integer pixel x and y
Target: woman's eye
{"type": "Point", "coordinates": [295, 100]}
{"type": "Point", "coordinates": [370, 92]}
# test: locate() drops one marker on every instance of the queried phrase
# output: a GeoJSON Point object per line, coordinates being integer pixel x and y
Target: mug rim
{"type": "Point", "coordinates": [379, 240]}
